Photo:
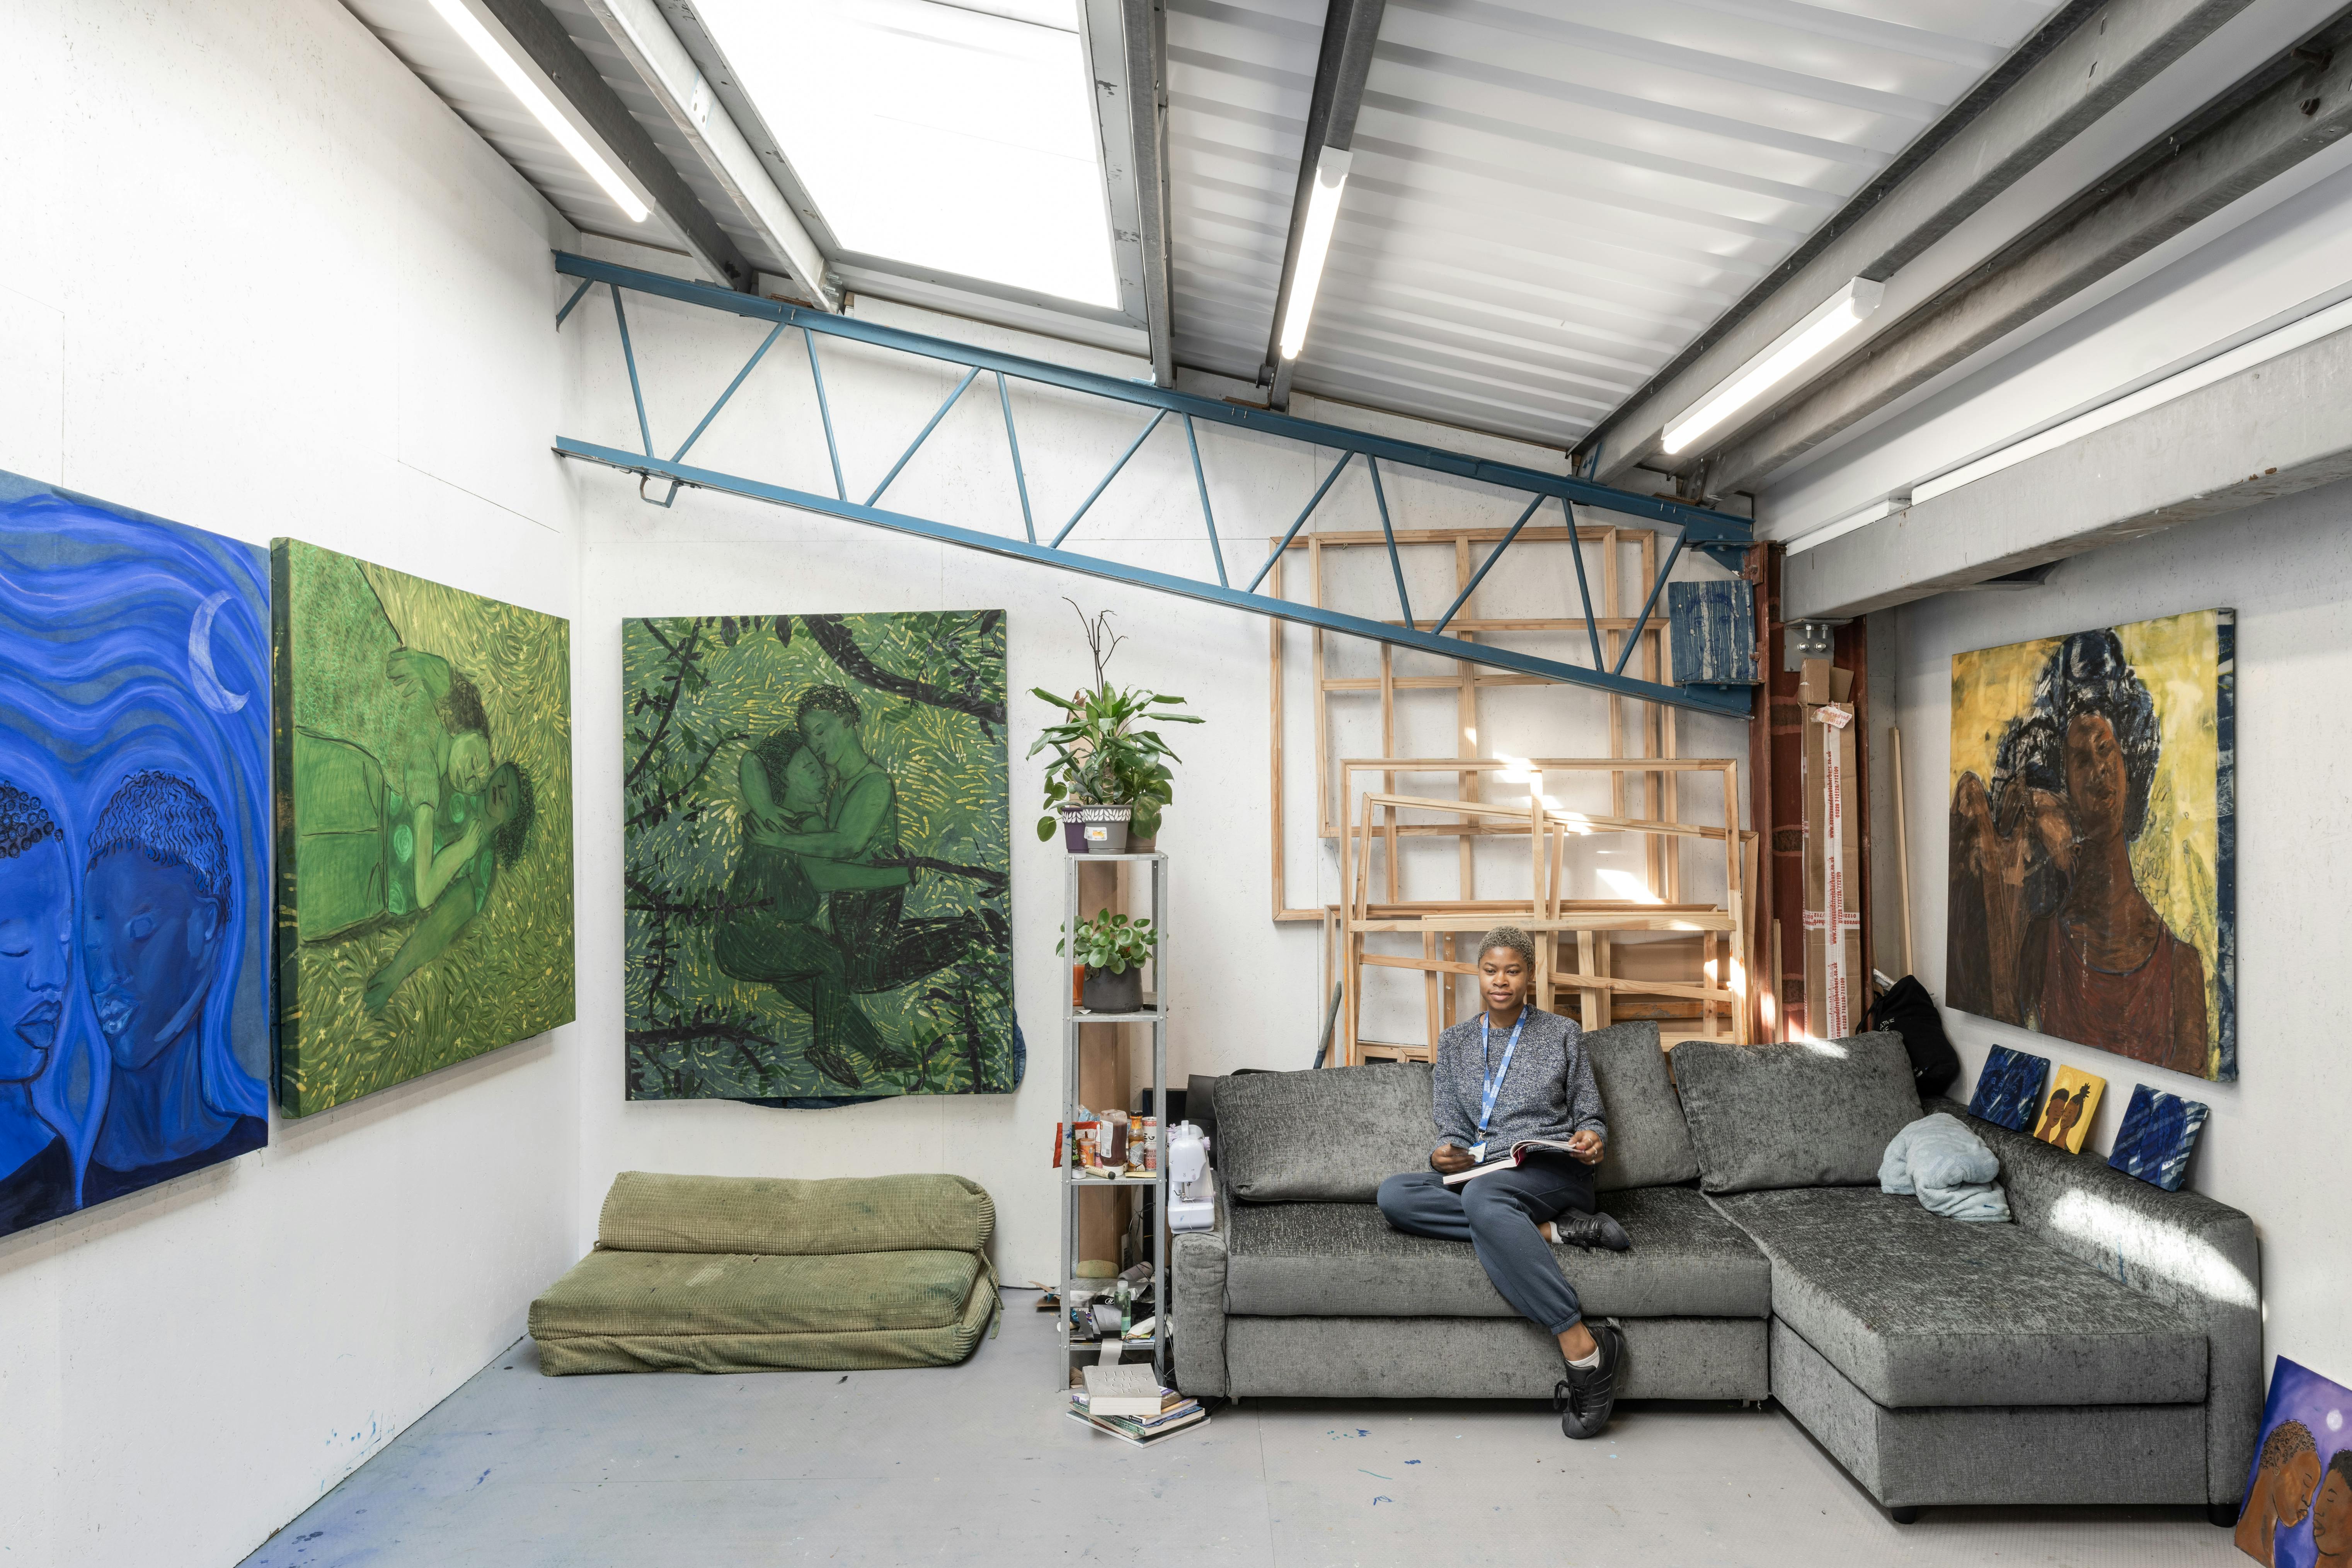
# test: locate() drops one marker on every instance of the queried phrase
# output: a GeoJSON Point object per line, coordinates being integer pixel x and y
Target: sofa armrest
{"type": "Point", "coordinates": [2184, 1249]}
{"type": "Point", "coordinates": [1199, 1266]}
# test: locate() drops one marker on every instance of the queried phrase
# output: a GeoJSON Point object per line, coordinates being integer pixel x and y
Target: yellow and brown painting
{"type": "Point", "coordinates": [818, 857]}
{"type": "Point", "coordinates": [2092, 840]}
{"type": "Point", "coordinates": [423, 738]}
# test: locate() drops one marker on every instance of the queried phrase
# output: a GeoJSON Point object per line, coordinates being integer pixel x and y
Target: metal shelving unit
{"type": "Point", "coordinates": [1153, 1016]}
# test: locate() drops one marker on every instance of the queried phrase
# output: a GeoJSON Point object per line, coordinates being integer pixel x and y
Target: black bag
{"type": "Point", "coordinates": [1910, 1012]}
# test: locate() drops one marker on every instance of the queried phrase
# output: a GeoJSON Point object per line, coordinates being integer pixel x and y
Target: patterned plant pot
{"type": "Point", "coordinates": [1108, 992]}
{"type": "Point", "coordinates": [1073, 827]}
{"type": "Point", "coordinates": [1105, 828]}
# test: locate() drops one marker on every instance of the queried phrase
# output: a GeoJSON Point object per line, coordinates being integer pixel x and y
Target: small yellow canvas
{"type": "Point", "coordinates": [2066, 1116]}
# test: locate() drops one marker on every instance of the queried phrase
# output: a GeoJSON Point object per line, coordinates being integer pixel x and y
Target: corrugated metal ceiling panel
{"type": "Point", "coordinates": [1547, 203]}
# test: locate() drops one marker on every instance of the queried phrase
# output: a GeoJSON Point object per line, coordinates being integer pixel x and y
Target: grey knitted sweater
{"type": "Point", "coordinates": [1548, 1092]}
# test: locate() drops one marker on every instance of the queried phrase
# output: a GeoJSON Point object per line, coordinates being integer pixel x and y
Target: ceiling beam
{"type": "Point", "coordinates": [2176, 463]}
{"type": "Point", "coordinates": [2297, 104]}
{"type": "Point", "coordinates": [652, 47]}
{"type": "Point", "coordinates": [1351, 29]}
{"type": "Point", "coordinates": [542, 40]}
{"type": "Point", "coordinates": [1143, 30]}
{"type": "Point", "coordinates": [2072, 72]}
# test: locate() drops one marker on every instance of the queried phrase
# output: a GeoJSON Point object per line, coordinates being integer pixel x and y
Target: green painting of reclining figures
{"type": "Point", "coordinates": [818, 857]}
{"type": "Point", "coordinates": [423, 738]}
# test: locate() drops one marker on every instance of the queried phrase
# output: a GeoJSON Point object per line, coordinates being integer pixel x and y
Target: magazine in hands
{"type": "Point", "coordinates": [1509, 1159]}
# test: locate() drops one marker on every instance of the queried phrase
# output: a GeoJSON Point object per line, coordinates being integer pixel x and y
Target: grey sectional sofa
{"type": "Point", "coordinates": [2105, 1347]}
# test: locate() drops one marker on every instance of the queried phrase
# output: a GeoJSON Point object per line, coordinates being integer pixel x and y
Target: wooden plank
{"type": "Point", "coordinates": [1902, 841]}
{"type": "Point", "coordinates": [1645, 919]}
{"type": "Point", "coordinates": [1551, 533]}
{"type": "Point", "coordinates": [1354, 683]}
{"type": "Point", "coordinates": [1653, 865]}
{"type": "Point", "coordinates": [1586, 966]}
{"type": "Point", "coordinates": [1609, 984]}
{"type": "Point", "coordinates": [1507, 906]}
{"type": "Point", "coordinates": [1465, 717]}
{"type": "Point", "coordinates": [1609, 643]}
{"type": "Point", "coordinates": [1558, 820]}
{"type": "Point", "coordinates": [1539, 862]}
{"type": "Point", "coordinates": [1429, 986]}
{"type": "Point", "coordinates": [1550, 764]}
{"type": "Point", "coordinates": [1322, 667]}
{"type": "Point", "coordinates": [1273, 727]}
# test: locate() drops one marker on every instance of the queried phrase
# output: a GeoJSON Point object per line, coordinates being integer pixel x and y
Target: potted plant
{"type": "Point", "coordinates": [1109, 781]}
{"type": "Point", "coordinates": [1113, 948]}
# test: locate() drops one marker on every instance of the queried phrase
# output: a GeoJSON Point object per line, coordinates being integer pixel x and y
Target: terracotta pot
{"type": "Point", "coordinates": [1108, 992]}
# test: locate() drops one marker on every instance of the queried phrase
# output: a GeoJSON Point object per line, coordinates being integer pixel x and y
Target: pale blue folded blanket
{"type": "Point", "coordinates": [1949, 1168]}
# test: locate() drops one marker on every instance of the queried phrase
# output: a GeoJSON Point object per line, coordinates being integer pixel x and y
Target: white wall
{"type": "Point", "coordinates": [256, 278]}
{"type": "Point", "coordinates": [1244, 991]}
{"type": "Point", "coordinates": [2274, 1144]}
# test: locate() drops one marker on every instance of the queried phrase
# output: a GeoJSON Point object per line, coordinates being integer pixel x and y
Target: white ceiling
{"type": "Point", "coordinates": [1548, 202]}
{"type": "Point", "coordinates": [1549, 199]}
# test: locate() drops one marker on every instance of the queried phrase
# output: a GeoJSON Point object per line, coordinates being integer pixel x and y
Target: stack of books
{"type": "Point", "coordinates": [1129, 1403]}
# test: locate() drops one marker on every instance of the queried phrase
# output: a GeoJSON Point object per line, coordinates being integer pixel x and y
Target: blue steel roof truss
{"type": "Point", "coordinates": [1725, 537]}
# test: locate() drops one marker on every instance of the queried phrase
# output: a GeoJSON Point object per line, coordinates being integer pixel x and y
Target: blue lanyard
{"type": "Point", "coordinates": [1495, 1078]}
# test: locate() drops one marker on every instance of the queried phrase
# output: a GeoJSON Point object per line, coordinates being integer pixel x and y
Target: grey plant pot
{"type": "Point", "coordinates": [1106, 828]}
{"type": "Point", "coordinates": [1074, 830]}
{"type": "Point", "coordinates": [1107, 993]}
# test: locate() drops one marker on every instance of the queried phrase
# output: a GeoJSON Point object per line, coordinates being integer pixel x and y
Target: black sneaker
{"type": "Point", "coordinates": [1591, 1230]}
{"type": "Point", "coordinates": [1587, 1394]}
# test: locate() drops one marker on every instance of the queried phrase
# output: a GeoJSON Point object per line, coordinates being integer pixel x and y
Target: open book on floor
{"type": "Point", "coordinates": [1129, 1403]}
{"type": "Point", "coordinates": [1510, 1159]}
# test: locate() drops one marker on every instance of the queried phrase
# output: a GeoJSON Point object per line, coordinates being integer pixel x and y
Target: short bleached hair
{"type": "Point", "coordinates": [1512, 937]}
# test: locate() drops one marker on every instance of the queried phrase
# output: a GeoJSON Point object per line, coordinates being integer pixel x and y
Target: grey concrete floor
{"type": "Point", "coordinates": [978, 1464]}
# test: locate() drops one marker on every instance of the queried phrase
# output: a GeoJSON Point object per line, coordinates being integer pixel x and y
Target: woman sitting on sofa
{"type": "Point", "coordinates": [1516, 1072]}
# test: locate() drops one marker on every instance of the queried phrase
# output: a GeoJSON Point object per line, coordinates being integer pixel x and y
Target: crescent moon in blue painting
{"type": "Point", "coordinates": [209, 690]}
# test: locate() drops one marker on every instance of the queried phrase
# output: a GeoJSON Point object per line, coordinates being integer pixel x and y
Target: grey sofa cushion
{"type": "Point", "coordinates": [1811, 1115]}
{"type": "Point", "coordinates": [1918, 1311]}
{"type": "Point", "coordinates": [1324, 1135]}
{"type": "Point", "coordinates": [1649, 1144]}
{"type": "Point", "coordinates": [1321, 1260]}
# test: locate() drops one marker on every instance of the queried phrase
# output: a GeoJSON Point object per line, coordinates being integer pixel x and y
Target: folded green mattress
{"type": "Point", "coordinates": [719, 1274]}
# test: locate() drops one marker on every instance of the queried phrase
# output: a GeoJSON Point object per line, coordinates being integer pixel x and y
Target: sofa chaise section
{"type": "Point", "coordinates": [2082, 1354]}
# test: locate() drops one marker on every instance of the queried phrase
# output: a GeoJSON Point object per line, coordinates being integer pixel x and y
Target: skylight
{"type": "Point", "coordinates": [933, 135]}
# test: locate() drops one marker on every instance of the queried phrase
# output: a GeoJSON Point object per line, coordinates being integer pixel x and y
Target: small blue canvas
{"type": "Point", "coordinates": [2157, 1133]}
{"type": "Point", "coordinates": [1711, 631]}
{"type": "Point", "coordinates": [2008, 1090]}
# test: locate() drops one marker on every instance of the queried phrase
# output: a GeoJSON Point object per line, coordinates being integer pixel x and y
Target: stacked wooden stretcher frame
{"type": "Point", "coordinates": [1649, 952]}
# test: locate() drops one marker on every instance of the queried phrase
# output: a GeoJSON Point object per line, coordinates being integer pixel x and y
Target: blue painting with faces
{"type": "Point", "coordinates": [134, 851]}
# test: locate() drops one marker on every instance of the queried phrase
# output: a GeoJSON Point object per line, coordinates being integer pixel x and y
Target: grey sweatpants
{"type": "Point", "coordinates": [1498, 1214]}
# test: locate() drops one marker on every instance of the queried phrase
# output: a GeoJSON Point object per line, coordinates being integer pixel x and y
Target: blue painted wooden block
{"type": "Point", "coordinates": [2158, 1132]}
{"type": "Point", "coordinates": [1711, 627]}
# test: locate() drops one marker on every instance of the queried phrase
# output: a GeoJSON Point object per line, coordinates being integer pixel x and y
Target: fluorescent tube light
{"type": "Point", "coordinates": [1832, 319]}
{"type": "Point", "coordinates": [1315, 245]}
{"type": "Point", "coordinates": [533, 97]}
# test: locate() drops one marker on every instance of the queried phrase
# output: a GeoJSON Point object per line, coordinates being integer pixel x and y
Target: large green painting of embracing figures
{"type": "Point", "coordinates": [818, 861]}
{"type": "Point", "coordinates": [423, 738]}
